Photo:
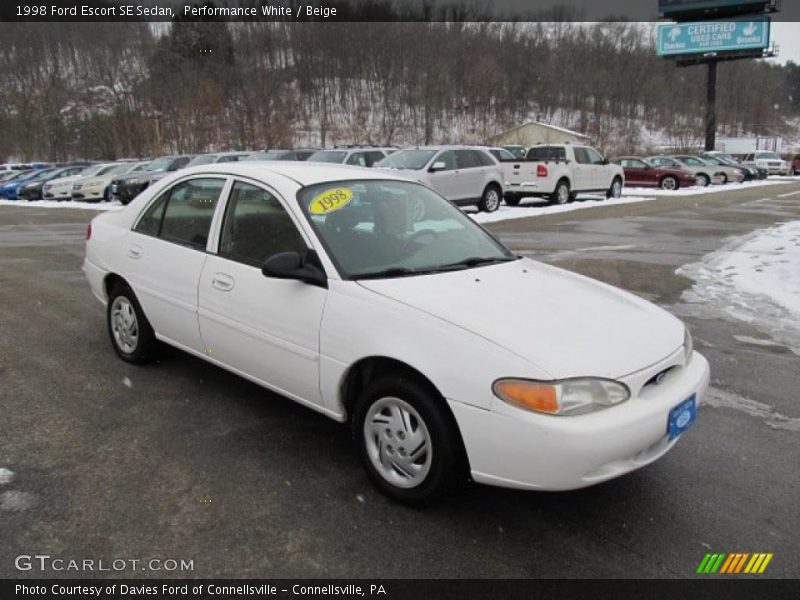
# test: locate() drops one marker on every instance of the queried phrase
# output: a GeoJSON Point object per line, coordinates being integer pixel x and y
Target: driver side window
{"type": "Point", "coordinates": [256, 226]}
{"type": "Point", "coordinates": [448, 157]}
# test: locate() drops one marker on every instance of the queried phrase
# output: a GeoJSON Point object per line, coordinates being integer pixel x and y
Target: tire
{"type": "Point", "coordinates": [703, 180]}
{"type": "Point", "coordinates": [615, 191]}
{"type": "Point", "coordinates": [107, 195]}
{"type": "Point", "coordinates": [490, 199]}
{"type": "Point", "coordinates": [561, 194]}
{"type": "Point", "coordinates": [131, 334]}
{"type": "Point", "coordinates": [393, 417]}
{"type": "Point", "coordinates": [669, 183]}
{"type": "Point", "coordinates": [512, 199]}
{"type": "Point", "coordinates": [724, 179]}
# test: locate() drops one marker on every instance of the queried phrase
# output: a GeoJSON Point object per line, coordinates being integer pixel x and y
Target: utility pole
{"type": "Point", "coordinates": [711, 106]}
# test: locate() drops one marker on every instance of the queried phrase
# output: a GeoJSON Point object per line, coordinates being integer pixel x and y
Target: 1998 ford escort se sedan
{"type": "Point", "coordinates": [370, 298]}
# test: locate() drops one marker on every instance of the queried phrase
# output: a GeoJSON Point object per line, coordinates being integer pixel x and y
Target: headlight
{"type": "Point", "coordinates": [566, 397]}
{"type": "Point", "coordinates": [688, 345]}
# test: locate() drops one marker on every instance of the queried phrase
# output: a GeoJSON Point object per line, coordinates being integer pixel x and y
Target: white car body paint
{"type": "Point", "coordinates": [462, 330]}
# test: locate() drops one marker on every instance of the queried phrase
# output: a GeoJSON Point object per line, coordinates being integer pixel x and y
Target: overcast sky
{"type": "Point", "coordinates": [787, 36]}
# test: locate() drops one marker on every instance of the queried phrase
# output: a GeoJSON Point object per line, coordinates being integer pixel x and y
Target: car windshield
{"type": "Point", "coordinates": [329, 156]}
{"type": "Point", "coordinates": [502, 154]}
{"type": "Point", "coordinates": [769, 155]}
{"type": "Point", "coordinates": [383, 228]}
{"type": "Point", "coordinates": [144, 166]}
{"type": "Point", "coordinates": [691, 160]}
{"type": "Point", "coordinates": [93, 170]}
{"type": "Point", "coordinates": [203, 159]}
{"type": "Point", "coordinates": [160, 164]}
{"type": "Point", "coordinates": [114, 169]}
{"type": "Point", "coordinates": [407, 159]}
{"type": "Point", "coordinates": [713, 160]}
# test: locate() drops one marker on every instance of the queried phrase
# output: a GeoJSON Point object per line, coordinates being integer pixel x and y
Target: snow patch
{"type": "Point", "coordinates": [127, 382]}
{"type": "Point", "coordinates": [13, 500]}
{"type": "Point", "coordinates": [718, 398]}
{"type": "Point", "coordinates": [755, 279]}
{"type": "Point", "coordinates": [540, 209]}
{"type": "Point", "coordinates": [103, 206]}
{"type": "Point", "coordinates": [711, 189]}
{"type": "Point", "coordinates": [6, 476]}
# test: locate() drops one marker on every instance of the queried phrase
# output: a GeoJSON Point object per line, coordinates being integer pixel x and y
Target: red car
{"type": "Point", "coordinates": [796, 165]}
{"type": "Point", "coordinates": [640, 173]}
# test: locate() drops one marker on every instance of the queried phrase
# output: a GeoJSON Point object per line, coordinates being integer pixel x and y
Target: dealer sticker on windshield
{"type": "Point", "coordinates": [330, 200]}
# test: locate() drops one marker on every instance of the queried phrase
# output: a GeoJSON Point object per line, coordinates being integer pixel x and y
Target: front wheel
{"type": "Point", "coordinates": [703, 180]}
{"type": "Point", "coordinates": [724, 179]}
{"type": "Point", "coordinates": [408, 440]}
{"type": "Point", "coordinates": [130, 331]}
{"type": "Point", "coordinates": [490, 200]}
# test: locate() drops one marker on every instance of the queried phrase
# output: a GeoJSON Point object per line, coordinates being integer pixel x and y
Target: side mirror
{"type": "Point", "coordinates": [290, 265]}
{"type": "Point", "coordinates": [438, 166]}
{"type": "Point", "coordinates": [605, 161]}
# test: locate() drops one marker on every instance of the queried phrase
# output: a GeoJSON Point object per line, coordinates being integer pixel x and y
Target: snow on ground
{"type": "Point", "coordinates": [536, 207]}
{"type": "Point", "coordinates": [68, 204]}
{"type": "Point", "coordinates": [712, 189]}
{"type": "Point", "coordinates": [755, 279]}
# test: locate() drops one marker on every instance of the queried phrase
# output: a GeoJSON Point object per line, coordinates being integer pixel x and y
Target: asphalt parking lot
{"type": "Point", "coordinates": [182, 460]}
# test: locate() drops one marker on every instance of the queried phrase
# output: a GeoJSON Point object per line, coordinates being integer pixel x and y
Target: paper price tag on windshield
{"type": "Point", "coordinates": [330, 201]}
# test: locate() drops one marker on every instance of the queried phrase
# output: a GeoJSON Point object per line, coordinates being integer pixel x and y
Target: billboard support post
{"type": "Point", "coordinates": [711, 106]}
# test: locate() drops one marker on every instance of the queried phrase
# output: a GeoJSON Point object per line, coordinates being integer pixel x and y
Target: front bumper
{"type": "Point", "coordinates": [88, 194]}
{"type": "Point", "coordinates": [525, 450]}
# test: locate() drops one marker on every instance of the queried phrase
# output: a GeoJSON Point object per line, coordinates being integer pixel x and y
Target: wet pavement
{"type": "Point", "coordinates": [100, 459]}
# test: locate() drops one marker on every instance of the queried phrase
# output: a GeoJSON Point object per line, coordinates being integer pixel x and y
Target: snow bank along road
{"type": "Point", "coordinates": [184, 460]}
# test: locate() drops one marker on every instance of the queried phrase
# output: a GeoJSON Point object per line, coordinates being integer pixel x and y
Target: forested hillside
{"type": "Point", "coordinates": [111, 90]}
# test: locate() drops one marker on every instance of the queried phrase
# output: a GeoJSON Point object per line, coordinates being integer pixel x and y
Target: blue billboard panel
{"type": "Point", "coordinates": [712, 36]}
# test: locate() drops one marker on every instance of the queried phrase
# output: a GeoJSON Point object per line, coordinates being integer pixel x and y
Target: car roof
{"type": "Point", "coordinates": [301, 172]}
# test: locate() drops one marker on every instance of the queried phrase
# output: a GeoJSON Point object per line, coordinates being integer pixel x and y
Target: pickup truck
{"type": "Point", "coordinates": [560, 171]}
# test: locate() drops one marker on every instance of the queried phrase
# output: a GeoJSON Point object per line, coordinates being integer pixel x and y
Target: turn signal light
{"type": "Point", "coordinates": [538, 397]}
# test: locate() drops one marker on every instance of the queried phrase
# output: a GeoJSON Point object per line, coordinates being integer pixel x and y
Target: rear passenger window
{"type": "Point", "coordinates": [190, 208]}
{"type": "Point", "coordinates": [150, 223]}
{"type": "Point", "coordinates": [357, 158]}
{"type": "Point", "coordinates": [485, 159]}
{"type": "Point", "coordinates": [582, 156]}
{"type": "Point", "coordinates": [467, 159]}
{"type": "Point", "coordinates": [547, 153]}
{"type": "Point", "coordinates": [256, 226]}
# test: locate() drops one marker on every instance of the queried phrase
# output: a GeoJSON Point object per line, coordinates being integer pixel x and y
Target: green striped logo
{"type": "Point", "coordinates": [734, 563]}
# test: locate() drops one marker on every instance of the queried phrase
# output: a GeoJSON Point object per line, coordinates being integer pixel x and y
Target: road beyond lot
{"type": "Point", "coordinates": [103, 460]}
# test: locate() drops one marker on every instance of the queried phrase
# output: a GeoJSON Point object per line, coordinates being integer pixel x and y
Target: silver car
{"type": "Point", "coordinates": [704, 173]}
{"type": "Point", "coordinates": [465, 175]}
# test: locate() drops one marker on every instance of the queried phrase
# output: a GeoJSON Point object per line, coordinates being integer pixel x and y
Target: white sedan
{"type": "Point", "coordinates": [370, 298]}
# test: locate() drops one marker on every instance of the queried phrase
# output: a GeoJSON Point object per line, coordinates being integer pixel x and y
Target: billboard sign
{"type": "Point", "coordinates": [702, 37]}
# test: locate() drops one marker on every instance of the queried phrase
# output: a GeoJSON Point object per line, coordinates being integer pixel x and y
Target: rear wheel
{"type": "Point", "coordinates": [669, 183]}
{"type": "Point", "coordinates": [490, 200]}
{"type": "Point", "coordinates": [130, 331]}
{"type": "Point", "coordinates": [408, 440]}
{"type": "Point", "coordinates": [561, 194]}
{"type": "Point", "coordinates": [703, 180]}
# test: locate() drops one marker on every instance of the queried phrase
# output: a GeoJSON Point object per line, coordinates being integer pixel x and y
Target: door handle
{"type": "Point", "coordinates": [222, 282]}
{"type": "Point", "coordinates": [135, 251]}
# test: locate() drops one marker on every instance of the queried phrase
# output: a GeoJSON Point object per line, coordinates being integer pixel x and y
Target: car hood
{"type": "Point", "coordinates": [566, 324]}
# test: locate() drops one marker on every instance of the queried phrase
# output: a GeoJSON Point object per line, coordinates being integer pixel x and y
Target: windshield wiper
{"type": "Point", "coordinates": [476, 261]}
{"type": "Point", "coordinates": [390, 272]}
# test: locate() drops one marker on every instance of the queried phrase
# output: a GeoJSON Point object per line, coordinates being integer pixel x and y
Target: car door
{"type": "Point", "coordinates": [471, 176]}
{"type": "Point", "coordinates": [446, 180]}
{"type": "Point", "coordinates": [582, 170]}
{"type": "Point", "coordinates": [164, 255]}
{"type": "Point", "coordinates": [601, 174]}
{"type": "Point", "coordinates": [267, 329]}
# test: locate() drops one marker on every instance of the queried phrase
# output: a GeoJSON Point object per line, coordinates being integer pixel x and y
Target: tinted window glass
{"type": "Point", "coordinates": [448, 158]}
{"type": "Point", "coordinates": [485, 159]}
{"type": "Point", "coordinates": [150, 223]}
{"type": "Point", "coordinates": [374, 156]}
{"type": "Point", "coordinates": [581, 156]}
{"type": "Point", "coordinates": [357, 158]}
{"type": "Point", "coordinates": [256, 226]}
{"type": "Point", "coordinates": [547, 153]}
{"type": "Point", "coordinates": [467, 159]}
{"type": "Point", "coordinates": [187, 217]}
{"type": "Point", "coordinates": [594, 156]}
{"type": "Point", "coordinates": [180, 163]}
